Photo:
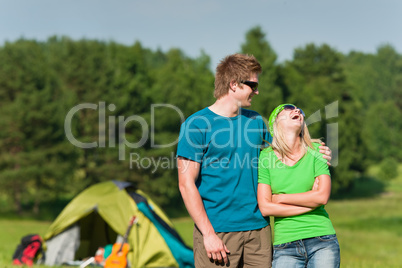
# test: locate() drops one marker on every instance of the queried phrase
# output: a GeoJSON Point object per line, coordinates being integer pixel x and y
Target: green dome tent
{"type": "Point", "coordinates": [98, 215]}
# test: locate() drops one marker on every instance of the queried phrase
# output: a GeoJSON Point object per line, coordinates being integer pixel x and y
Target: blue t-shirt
{"type": "Point", "coordinates": [228, 149]}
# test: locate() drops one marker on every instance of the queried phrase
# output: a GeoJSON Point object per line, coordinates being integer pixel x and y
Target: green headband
{"type": "Point", "coordinates": [273, 116]}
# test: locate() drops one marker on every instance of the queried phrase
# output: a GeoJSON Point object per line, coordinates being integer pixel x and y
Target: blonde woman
{"type": "Point", "coordinates": [294, 184]}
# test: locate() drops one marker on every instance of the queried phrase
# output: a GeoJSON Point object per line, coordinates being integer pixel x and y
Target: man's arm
{"type": "Point", "coordinates": [188, 174]}
{"type": "Point", "coordinates": [268, 208]}
{"type": "Point", "coordinates": [314, 198]}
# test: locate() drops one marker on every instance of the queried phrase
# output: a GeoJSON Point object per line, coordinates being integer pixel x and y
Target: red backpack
{"type": "Point", "coordinates": [28, 250]}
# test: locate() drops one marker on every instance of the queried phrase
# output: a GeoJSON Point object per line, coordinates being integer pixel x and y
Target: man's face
{"type": "Point", "coordinates": [246, 93]}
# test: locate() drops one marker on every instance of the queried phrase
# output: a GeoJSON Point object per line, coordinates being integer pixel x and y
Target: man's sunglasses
{"type": "Point", "coordinates": [291, 108]}
{"type": "Point", "coordinates": [251, 84]}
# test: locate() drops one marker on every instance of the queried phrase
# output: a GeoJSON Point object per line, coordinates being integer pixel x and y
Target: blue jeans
{"type": "Point", "coordinates": [320, 251]}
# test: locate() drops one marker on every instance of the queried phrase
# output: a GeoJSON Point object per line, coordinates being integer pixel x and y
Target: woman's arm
{"type": "Point", "coordinates": [268, 208]}
{"type": "Point", "coordinates": [314, 198]}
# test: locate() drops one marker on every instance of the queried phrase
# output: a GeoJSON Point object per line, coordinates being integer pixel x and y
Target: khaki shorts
{"type": "Point", "coordinates": [247, 248]}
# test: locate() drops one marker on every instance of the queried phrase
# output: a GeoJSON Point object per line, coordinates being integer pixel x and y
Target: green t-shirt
{"type": "Point", "coordinates": [298, 178]}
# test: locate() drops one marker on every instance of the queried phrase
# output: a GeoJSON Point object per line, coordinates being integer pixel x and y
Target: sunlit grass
{"type": "Point", "coordinates": [370, 229]}
{"type": "Point", "coordinates": [185, 227]}
{"type": "Point", "coordinates": [11, 232]}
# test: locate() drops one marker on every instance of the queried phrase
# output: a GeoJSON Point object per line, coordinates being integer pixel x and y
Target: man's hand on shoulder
{"type": "Point", "coordinates": [327, 152]}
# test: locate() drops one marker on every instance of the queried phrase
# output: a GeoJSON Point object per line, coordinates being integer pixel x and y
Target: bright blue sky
{"type": "Point", "coordinates": [218, 27]}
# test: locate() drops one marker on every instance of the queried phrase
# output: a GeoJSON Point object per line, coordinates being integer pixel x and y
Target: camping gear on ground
{"type": "Point", "coordinates": [118, 257]}
{"type": "Point", "coordinates": [85, 263]}
{"type": "Point", "coordinates": [98, 217]}
{"type": "Point", "coordinates": [100, 256]}
{"type": "Point", "coordinates": [29, 248]}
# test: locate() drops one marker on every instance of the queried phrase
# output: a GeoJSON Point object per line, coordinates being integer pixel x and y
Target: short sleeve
{"type": "Point", "coordinates": [191, 142]}
{"type": "Point", "coordinates": [263, 168]}
{"type": "Point", "coordinates": [320, 163]}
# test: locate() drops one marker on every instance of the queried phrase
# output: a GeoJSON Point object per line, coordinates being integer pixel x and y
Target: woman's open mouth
{"type": "Point", "coordinates": [296, 117]}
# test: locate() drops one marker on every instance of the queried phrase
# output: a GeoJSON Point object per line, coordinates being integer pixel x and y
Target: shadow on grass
{"type": "Point", "coordinates": [363, 187]}
{"type": "Point", "coordinates": [48, 211]}
{"type": "Point", "coordinates": [177, 210]}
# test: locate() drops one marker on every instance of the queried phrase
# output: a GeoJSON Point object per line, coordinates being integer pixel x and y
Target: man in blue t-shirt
{"type": "Point", "coordinates": [218, 153]}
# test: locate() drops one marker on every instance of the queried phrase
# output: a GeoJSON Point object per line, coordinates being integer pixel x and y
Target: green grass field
{"type": "Point", "coordinates": [369, 229]}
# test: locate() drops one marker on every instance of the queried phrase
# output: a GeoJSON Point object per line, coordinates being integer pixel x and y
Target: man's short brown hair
{"type": "Point", "coordinates": [236, 67]}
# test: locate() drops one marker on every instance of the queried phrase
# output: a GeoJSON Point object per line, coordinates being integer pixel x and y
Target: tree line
{"type": "Point", "coordinates": [78, 112]}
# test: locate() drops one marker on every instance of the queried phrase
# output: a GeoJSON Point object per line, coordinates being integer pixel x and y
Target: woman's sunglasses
{"type": "Point", "coordinates": [251, 84]}
{"type": "Point", "coordinates": [291, 108]}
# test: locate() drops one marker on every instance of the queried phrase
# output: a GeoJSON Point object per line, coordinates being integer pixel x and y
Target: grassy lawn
{"type": "Point", "coordinates": [11, 232]}
{"type": "Point", "coordinates": [369, 229]}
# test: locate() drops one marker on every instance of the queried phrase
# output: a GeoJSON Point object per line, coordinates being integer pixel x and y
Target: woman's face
{"type": "Point", "coordinates": [289, 119]}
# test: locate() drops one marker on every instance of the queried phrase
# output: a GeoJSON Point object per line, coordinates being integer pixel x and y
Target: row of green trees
{"type": "Point", "coordinates": [74, 113]}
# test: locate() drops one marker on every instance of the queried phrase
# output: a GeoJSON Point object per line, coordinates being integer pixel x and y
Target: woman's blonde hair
{"type": "Point", "coordinates": [279, 142]}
